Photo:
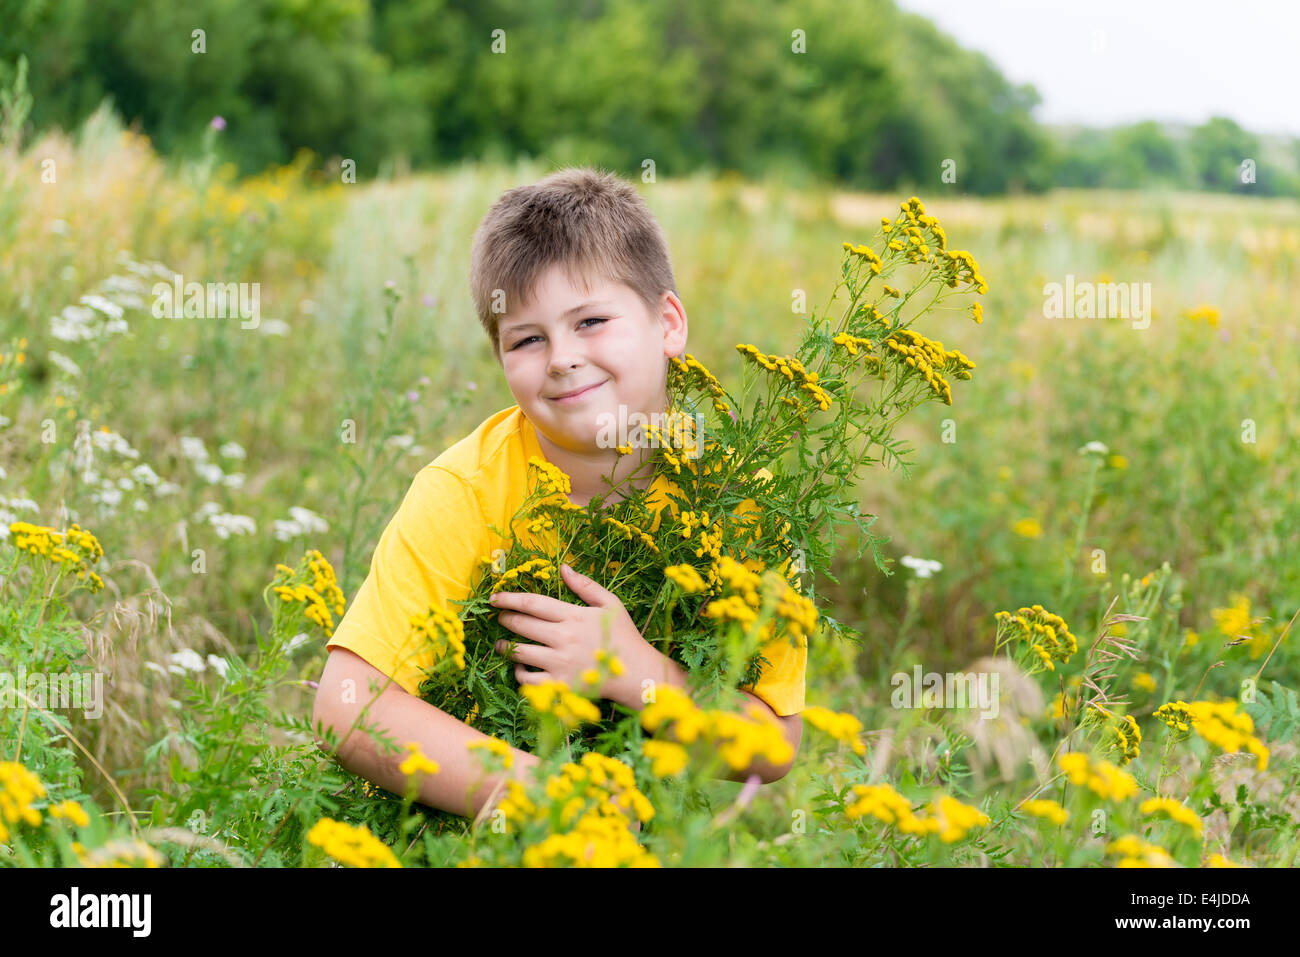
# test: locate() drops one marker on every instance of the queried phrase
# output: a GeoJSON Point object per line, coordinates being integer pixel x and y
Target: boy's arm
{"type": "Point", "coordinates": [663, 670]}
{"type": "Point", "coordinates": [460, 786]}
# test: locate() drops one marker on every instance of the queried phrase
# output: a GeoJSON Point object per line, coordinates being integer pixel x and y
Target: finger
{"type": "Point", "coordinates": [539, 606]}
{"type": "Point", "coordinates": [536, 656]}
{"type": "Point", "coordinates": [526, 626]}
{"type": "Point", "coordinates": [590, 591]}
{"type": "Point", "coordinates": [531, 677]}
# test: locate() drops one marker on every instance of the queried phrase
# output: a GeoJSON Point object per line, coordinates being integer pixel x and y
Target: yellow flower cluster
{"type": "Point", "coordinates": [354, 846]}
{"type": "Point", "coordinates": [687, 578]}
{"type": "Point", "coordinates": [596, 840]}
{"type": "Point", "coordinates": [795, 613]}
{"type": "Point", "coordinates": [1234, 620]}
{"type": "Point", "coordinates": [632, 532]}
{"type": "Point", "coordinates": [1174, 810]}
{"type": "Point", "coordinates": [1220, 723]}
{"type": "Point", "coordinates": [124, 853]}
{"type": "Point", "coordinates": [1176, 715]}
{"type": "Point", "coordinates": [540, 569]}
{"type": "Point", "coordinates": [1207, 314]}
{"type": "Point", "coordinates": [948, 817]}
{"type": "Point", "coordinates": [417, 762]}
{"type": "Point", "coordinates": [596, 799]}
{"type": "Point", "coordinates": [959, 265]}
{"type": "Point", "coordinates": [71, 811]}
{"type": "Point", "coordinates": [1218, 860]}
{"type": "Point", "coordinates": [841, 727]}
{"type": "Point", "coordinates": [444, 632]}
{"type": "Point", "coordinates": [677, 441]}
{"type": "Point", "coordinates": [851, 344]}
{"type": "Point", "coordinates": [320, 597]}
{"type": "Point", "coordinates": [551, 481]}
{"type": "Point", "coordinates": [929, 358]}
{"type": "Point", "coordinates": [1046, 809]}
{"type": "Point", "coordinates": [540, 524]}
{"type": "Point", "coordinates": [692, 371]}
{"type": "Point", "coordinates": [793, 370]}
{"type": "Point", "coordinates": [1047, 634]}
{"type": "Point", "coordinates": [1101, 777]}
{"type": "Point", "coordinates": [554, 697]}
{"type": "Point", "coordinates": [18, 789]}
{"type": "Point", "coordinates": [75, 548]}
{"type": "Point", "coordinates": [690, 521]}
{"type": "Point", "coordinates": [737, 739]}
{"type": "Point", "coordinates": [323, 580]}
{"type": "Point", "coordinates": [494, 746]}
{"type": "Point", "coordinates": [1122, 734]}
{"type": "Point", "coordinates": [1127, 738]}
{"type": "Point", "coordinates": [1135, 852]}
{"type": "Point", "coordinates": [667, 757]}
{"type": "Point", "coordinates": [866, 253]}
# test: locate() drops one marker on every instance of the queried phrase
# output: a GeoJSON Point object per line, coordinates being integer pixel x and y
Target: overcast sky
{"type": "Point", "coordinates": [1107, 62]}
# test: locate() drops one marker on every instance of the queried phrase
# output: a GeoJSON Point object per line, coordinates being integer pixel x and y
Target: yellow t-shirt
{"type": "Point", "coordinates": [430, 554]}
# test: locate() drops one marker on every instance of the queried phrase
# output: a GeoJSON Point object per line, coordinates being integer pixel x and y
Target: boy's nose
{"type": "Point", "coordinates": [563, 360]}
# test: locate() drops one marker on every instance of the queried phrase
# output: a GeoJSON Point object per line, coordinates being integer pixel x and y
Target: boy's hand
{"type": "Point", "coordinates": [568, 636]}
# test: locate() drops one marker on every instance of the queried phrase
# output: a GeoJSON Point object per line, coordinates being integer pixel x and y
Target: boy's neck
{"type": "Point", "coordinates": [591, 474]}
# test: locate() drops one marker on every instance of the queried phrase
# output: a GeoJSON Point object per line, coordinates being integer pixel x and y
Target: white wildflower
{"type": "Point", "coordinates": [73, 325]}
{"type": "Point", "coordinates": [273, 327]}
{"type": "Point", "coordinates": [209, 472]}
{"type": "Point", "coordinates": [233, 480]}
{"type": "Point", "coordinates": [112, 442]}
{"type": "Point", "coordinates": [108, 495]}
{"type": "Point", "coordinates": [110, 309]}
{"type": "Point", "coordinates": [186, 660]}
{"type": "Point", "coordinates": [923, 567]}
{"type": "Point", "coordinates": [1094, 447]}
{"type": "Point", "coordinates": [301, 522]}
{"type": "Point", "coordinates": [144, 475]}
{"type": "Point", "coordinates": [193, 449]}
{"type": "Point", "coordinates": [219, 665]}
{"type": "Point", "coordinates": [232, 450]}
{"type": "Point", "coordinates": [64, 363]}
{"type": "Point", "coordinates": [227, 524]}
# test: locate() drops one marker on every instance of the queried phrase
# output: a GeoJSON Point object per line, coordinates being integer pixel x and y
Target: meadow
{"type": "Point", "coordinates": [1138, 482]}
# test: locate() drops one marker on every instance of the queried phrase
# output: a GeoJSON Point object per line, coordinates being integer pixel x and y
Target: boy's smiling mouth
{"type": "Point", "coordinates": [577, 394]}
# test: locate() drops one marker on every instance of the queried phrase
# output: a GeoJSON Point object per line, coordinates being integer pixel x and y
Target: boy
{"type": "Point", "coordinates": [573, 284]}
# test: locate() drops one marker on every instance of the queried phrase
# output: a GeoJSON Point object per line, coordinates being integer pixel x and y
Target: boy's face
{"type": "Point", "coordinates": [612, 347]}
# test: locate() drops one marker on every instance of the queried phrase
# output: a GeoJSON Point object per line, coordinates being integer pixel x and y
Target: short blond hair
{"type": "Point", "coordinates": [589, 221]}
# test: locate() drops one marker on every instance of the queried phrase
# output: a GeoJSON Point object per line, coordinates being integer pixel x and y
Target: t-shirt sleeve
{"type": "Point", "coordinates": [781, 683]}
{"type": "Point", "coordinates": [426, 557]}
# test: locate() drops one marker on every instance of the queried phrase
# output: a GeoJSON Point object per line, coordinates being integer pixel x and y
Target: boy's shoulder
{"type": "Point", "coordinates": [492, 456]}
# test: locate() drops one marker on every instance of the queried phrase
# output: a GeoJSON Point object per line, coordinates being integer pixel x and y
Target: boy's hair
{"type": "Point", "coordinates": [589, 221]}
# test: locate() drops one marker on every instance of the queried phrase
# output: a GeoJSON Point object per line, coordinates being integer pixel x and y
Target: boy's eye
{"type": "Point", "coordinates": [523, 342]}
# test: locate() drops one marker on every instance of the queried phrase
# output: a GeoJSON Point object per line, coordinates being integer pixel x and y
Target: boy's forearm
{"type": "Point", "coordinates": [663, 670]}
{"type": "Point", "coordinates": [461, 786]}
